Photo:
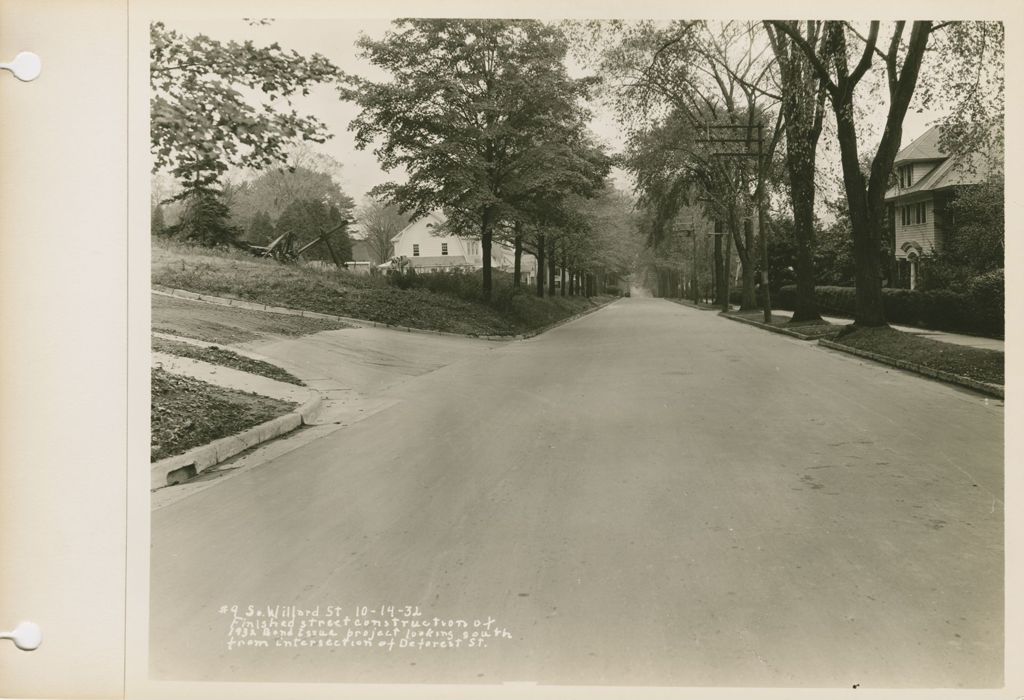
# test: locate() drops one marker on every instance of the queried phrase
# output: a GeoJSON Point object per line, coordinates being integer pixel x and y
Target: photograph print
{"type": "Point", "coordinates": [661, 352]}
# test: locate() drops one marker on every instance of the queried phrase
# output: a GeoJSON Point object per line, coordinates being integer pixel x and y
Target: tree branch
{"type": "Point", "coordinates": [865, 58]}
{"type": "Point", "coordinates": [865, 39]}
{"type": "Point", "coordinates": [892, 56]}
{"type": "Point", "coordinates": [809, 52]}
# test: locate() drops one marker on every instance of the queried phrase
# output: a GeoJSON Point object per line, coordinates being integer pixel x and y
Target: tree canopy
{"type": "Point", "coordinates": [466, 113]}
{"type": "Point", "coordinates": [220, 104]}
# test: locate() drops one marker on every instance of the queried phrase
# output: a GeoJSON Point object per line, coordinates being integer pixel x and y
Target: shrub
{"type": "Point", "coordinates": [466, 285]}
{"type": "Point", "coordinates": [403, 280]}
{"type": "Point", "coordinates": [977, 309]}
{"type": "Point", "coordinates": [988, 299]}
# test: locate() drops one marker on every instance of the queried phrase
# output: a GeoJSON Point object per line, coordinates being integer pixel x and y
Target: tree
{"type": "Point", "coordinates": [465, 99]}
{"type": "Point", "coordinates": [562, 165]}
{"type": "Point", "coordinates": [261, 228]}
{"type": "Point", "coordinates": [974, 243]}
{"type": "Point", "coordinates": [156, 221]}
{"type": "Point", "coordinates": [978, 239]}
{"type": "Point", "coordinates": [308, 219]}
{"type": "Point", "coordinates": [803, 109]}
{"type": "Point", "coordinates": [833, 254]}
{"type": "Point", "coordinates": [204, 118]}
{"type": "Point", "coordinates": [276, 188]}
{"type": "Point", "coordinates": [831, 60]}
{"type": "Point", "coordinates": [667, 82]}
{"type": "Point", "coordinates": [204, 219]}
{"type": "Point", "coordinates": [380, 222]}
{"type": "Point", "coordinates": [963, 74]}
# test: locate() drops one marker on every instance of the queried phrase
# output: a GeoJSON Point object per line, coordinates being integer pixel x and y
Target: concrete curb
{"type": "Point", "coordinates": [981, 387]}
{"type": "Point", "coordinates": [199, 459]}
{"type": "Point", "coordinates": [773, 329]}
{"type": "Point", "coordinates": [690, 304]}
{"type": "Point", "coordinates": [358, 322]}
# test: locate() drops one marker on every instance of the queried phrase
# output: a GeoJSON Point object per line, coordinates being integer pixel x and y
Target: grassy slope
{"type": "Point", "coordinates": [223, 325]}
{"type": "Point", "coordinates": [975, 363]}
{"type": "Point", "coordinates": [187, 413]}
{"type": "Point", "coordinates": [238, 275]}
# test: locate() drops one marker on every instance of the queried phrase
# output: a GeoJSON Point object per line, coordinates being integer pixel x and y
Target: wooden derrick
{"type": "Point", "coordinates": [283, 247]}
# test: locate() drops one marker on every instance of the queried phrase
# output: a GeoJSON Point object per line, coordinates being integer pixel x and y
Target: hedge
{"type": "Point", "coordinates": [977, 309]}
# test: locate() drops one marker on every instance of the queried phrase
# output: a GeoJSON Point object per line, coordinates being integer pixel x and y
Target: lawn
{"type": "Point", "coordinates": [187, 413]}
{"type": "Point", "coordinates": [974, 363]}
{"type": "Point", "coordinates": [241, 276]}
{"type": "Point", "coordinates": [225, 358]}
{"type": "Point", "coordinates": [811, 330]}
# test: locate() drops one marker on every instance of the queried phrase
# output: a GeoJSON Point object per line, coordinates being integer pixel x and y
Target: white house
{"type": "Point", "coordinates": [428, 251]}
{"type": "Point", "coordinates": [926, 181]}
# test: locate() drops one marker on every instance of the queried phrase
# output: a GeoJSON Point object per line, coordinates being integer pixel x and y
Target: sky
{"type": "Point", "coordinates": [360, 172]}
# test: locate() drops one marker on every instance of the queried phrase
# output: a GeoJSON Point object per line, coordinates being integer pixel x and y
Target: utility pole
{"type": "Point", "coordinates": [691, 233]}
{"type": "Point", "coordinates": [727, 134]}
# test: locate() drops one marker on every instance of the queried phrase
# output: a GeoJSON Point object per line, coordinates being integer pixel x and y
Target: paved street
{"type": "Point", "coordinates": [650, 495]}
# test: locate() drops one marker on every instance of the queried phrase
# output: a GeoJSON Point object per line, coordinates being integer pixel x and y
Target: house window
{"type": "Point", "coordinates": [905, 216]}
{"type": "Point", "coordinates": [415, 249]}
{"type": "Point", "coordinates": [444, 249]}
{"type": "Point", "coordinates": [906, 175]}
{"type": "Point", "coordinates": [922, 214]}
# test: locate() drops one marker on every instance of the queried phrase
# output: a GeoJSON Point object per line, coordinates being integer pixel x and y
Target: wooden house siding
{"type": "Point", "coordinates": [420, 233]}
{"type": "Point", "coordinates": [924, 234]}
{"type": "Point", "coordinates": [922, 169]}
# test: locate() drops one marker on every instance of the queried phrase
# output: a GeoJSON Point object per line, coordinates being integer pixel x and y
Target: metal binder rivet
{"type": "Point", "coordinates": [26, 636]}
{"type": "Point", "coordinates": [26, 66]}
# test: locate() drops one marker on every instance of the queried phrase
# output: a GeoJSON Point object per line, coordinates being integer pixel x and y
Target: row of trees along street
{"type": "Point", "coordinates": [673, 85]}
{"type": "Point", "coordinates": [485, 123]}
{"type": "Point", "coordinates": [481, 116]}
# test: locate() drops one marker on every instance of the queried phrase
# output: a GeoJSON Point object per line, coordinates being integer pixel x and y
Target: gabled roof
{"type": "Point", "coordinates": [435, 217]}
{"type": "Point", "coordinates": [971, 169]}
{"type": "Point", "coordinates": [968, 169]}
{"type": "Point", "coordinates": [924, 147]}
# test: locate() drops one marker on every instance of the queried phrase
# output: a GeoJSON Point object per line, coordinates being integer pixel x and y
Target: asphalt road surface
{"type": "Point", "coordinates": [650, 495]}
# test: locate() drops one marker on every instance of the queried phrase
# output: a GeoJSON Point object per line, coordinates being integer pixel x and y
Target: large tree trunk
{"type": "Point", "coordinates": [801, 179]}
{"type": "Point", "coordinates": [551, 268]}
{"type": "Point", "coordinates": [518, 266]}
{"type": "Point", "coordinates": [540, 264]}
{"type": "Point", "coordinates": [726, 273]}
{"type": "Point", "coordinates": [745, 250]}
{"type": "Point", "coordinates": [803, 109]}
{"type": "Point", "coordinates": [890, 236]}
{"type": "Point", "coordinates": [867, 212]}
{"type": "Point", "coordinates": [866, 239]}
{"type": "Point", "coordinates": [720, 278]}
{"type": "Point", "coordinates": [485, 248]}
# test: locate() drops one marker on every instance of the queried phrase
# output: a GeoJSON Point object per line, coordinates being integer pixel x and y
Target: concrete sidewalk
{"type": "Point", "coordinates": [972, 341]}
{"type": "Point", "coordinates": [229, 378]}
{"type": "Point", "coordinates": [345, 372]}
